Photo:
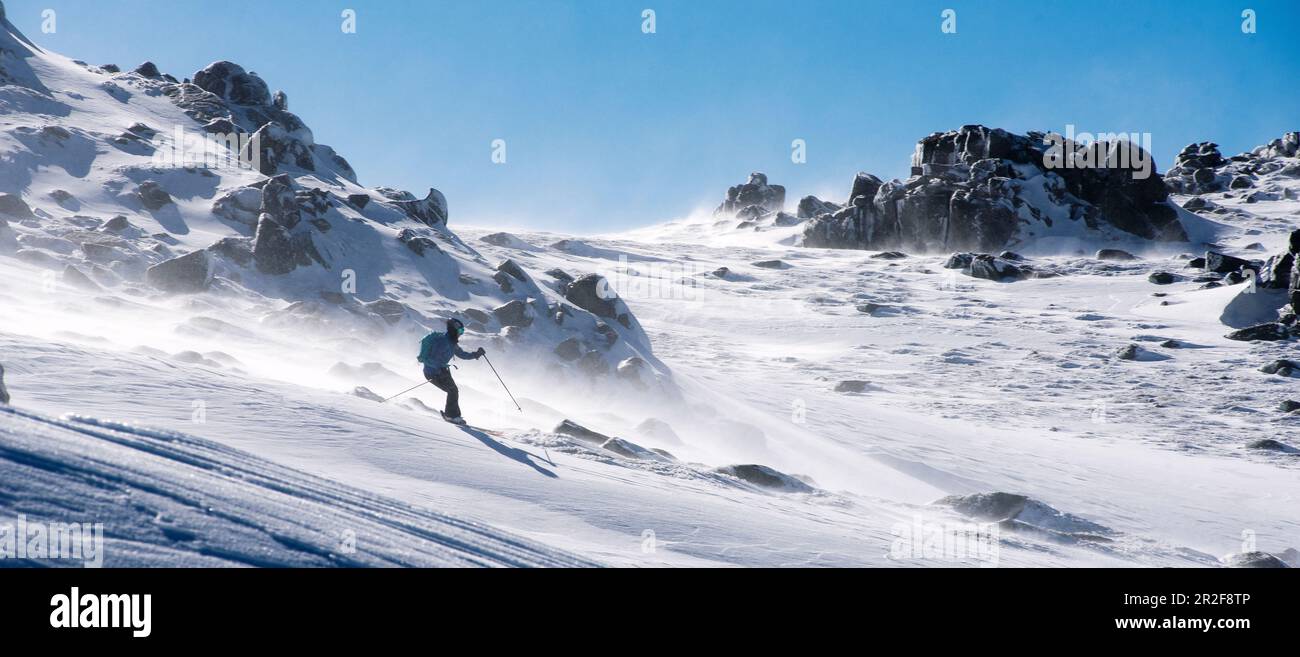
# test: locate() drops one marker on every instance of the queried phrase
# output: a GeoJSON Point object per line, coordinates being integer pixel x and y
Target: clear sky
{"type": "Point", "coordinates": [608, 128]}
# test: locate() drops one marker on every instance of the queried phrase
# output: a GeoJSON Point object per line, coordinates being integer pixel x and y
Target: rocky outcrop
{"type": "Point", "coordinates": [754, 199]}
{"type": "Point", "coordinates": [1201, 169]}
{"type": "Point", "coordinates": [230, 82]}
{"type": "Point", "coordinates": [226, 99]}
{"type": "Point", "coordinates": [1288, 145]}
{"type": "Point", "coordinates": [980, 189]}
{"type": "Point", "coordinates": [278, 149]}
{"type": "Point", "coordinates": [431, 210]}
{"type": "Point", "coordinates": [1196, 170]}
{"type": "Point", "coordinates": [4, 392]}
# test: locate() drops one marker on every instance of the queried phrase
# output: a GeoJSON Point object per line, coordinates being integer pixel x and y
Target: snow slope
{"type": "Point", "coordinates": [171, 499]}
{"type": "Point", "coordinates": [813, 409]}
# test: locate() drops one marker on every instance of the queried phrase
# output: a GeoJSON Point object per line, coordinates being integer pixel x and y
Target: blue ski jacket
{"type": "Point", "coordinates": [436, 351]}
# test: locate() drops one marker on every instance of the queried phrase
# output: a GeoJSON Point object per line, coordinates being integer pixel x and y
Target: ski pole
{"type": "Point", "coordinates": [503, 384]}
{"type": "Point", "coordinates": [404, 392]}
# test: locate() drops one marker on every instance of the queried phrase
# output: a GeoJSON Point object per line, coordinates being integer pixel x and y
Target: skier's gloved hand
{"type": "Point", "coordinates": [480, 353]}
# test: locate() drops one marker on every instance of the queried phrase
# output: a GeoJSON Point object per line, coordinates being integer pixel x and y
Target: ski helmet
{"type": "Point", "coordinates": [455, 327]}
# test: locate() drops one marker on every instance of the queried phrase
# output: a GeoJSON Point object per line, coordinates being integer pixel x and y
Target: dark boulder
{"type": "Point", "coordinates": [1161, 278]}
{"type": "Point", "coordinates": [593, 294]}
{"type": "Point", "coordinates": [765, 477]}
{"type": "Point", "coordinates": [273, 247]}
{"type": "Point", "coordinates": [512, 269]}
{"type": "Point", "coordinates": [232, 83]}
{"type": "Point", "coordinates": [989, 267]}
{"type": "Point", "coordinates": [852, 386]}
{"type": "Point", "coordinates": [959, 261]}
{"type": "Point", "coordinates": [1276, 274]}
{"type": "Point", "coordinates": [1222, 264]}
{"type": "Point", "coordinates": [569, 350]}
{"type": "Point", "coordinates": [148, 70]}
{"type": "Point", "coordinates": [990, 507]}
{"type": "Point", "coordinates": [1281, 367]}
{"type": "Point", "coordinates": [152, 195]}
{"type": "Point", "coordinates": [575, 430]}
{"type": "Point", "coordinates": [13, 207]}
{"type": "Point", "coordinates": [474, 314]}
{"type": "Point", "coordinates": [889, 255]}
{"type": "Point", "coordinates": [1255, 560]}
{"type": "Point", "coordinates": [513, 313]}
{"type": "Point", "coordinates": [1268, 331]}
{"type": "Point", "coordinates": [186, 274]}
{"type": "Point", "coordinates": [117, 224]}
{"type": "Point", "coordinates": [593, 364]}
{"type": "Point", "coordinates": [1115, 254]}
{"type": "Point", "coordinates": [76, 279]}
{"type": "Point", "coordinates": [418, 244]}
{"type": "Point", "coordinates": [560, 275]}
{"type": "Point", "coordinates": [276, 251]}
{"type": "Point", "coordinates": [1271, 445]}
{"type": "Point", "coordinates": [238, 250]}
{"type": "Point", "coordinates": [358, 201]}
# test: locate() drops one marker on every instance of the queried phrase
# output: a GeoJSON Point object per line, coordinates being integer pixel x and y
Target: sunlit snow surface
{"type": "Point", "coordinates": [220, 430]}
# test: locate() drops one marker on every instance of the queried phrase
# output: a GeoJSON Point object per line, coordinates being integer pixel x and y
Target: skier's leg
{"type": "Point", "coordinates": [443, 380]}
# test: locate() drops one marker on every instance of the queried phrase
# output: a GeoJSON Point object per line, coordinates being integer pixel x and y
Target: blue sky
{"type": "Point", "coordinates": [608, 128]}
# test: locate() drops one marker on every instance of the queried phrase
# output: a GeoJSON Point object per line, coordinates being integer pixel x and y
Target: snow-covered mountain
{"type": "Point", "coordinates": [140, 185]}
{"type": "Point", "coordinates": [193, 356]}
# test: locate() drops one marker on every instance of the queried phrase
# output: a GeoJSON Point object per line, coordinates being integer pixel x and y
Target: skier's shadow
{"type": "Point", "coordinates": [513, 453]}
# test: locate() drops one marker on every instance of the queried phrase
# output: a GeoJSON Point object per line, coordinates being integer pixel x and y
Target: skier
{"type": "Point", "coordinates": [436, 350]}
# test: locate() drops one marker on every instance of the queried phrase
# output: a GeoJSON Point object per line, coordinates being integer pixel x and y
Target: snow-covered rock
{"type": "Point", "coordinates": [765, 477]}
{"type": "Point", "coordinates": [753, 199]}
{"type": "Point", "coordinates": [986, 189]}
